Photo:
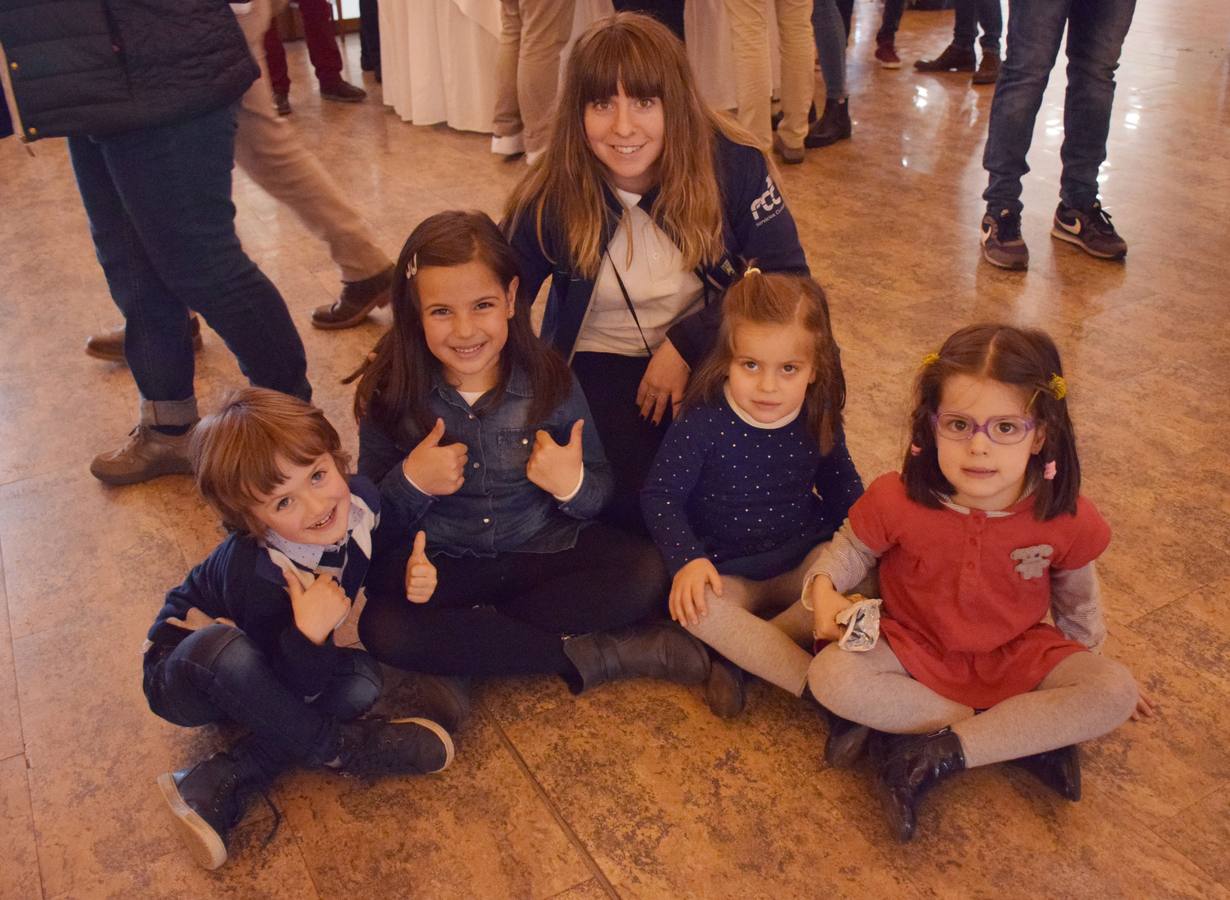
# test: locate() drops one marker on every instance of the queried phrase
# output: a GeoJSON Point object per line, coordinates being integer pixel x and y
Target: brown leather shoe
{"type": "Point", "coordinates": [147, 454]}
{"type": "Point", "coordinates": [357, 300]}
{"type": "Point", "coordinates": [110, 344]}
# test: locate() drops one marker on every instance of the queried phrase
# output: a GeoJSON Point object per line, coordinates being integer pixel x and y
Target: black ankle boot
{"type": "Point", "coordinates": [725, 689]}
{"type": "Point", "coordinates": [912, 765]}
{"type": "Point", "coordinates": [953, 59]}
{"type": "Point", "coordinates": [657, 650]}
{"type": "Point", "coordinates": [207, 801]}
{"type": "Point", "coordinates": [832, 127]}
{"type": "Point", "coordinates": [1059, 770]}
{"type": "Point", "coordinates": [846, 740]}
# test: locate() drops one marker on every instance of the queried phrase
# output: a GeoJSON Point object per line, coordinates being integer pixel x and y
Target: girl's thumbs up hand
{"type": "Point", "coordinates": [420, 573]}
{"type": "Point", "coordinates": [434, 468]}
{"type": "Point", "coordinates": [555, 469]}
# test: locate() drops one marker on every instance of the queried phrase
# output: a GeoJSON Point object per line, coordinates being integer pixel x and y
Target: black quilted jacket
{"type": "Point", "coordinates": [104, 67]}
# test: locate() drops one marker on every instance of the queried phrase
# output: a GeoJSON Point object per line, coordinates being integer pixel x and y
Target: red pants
{"type": "Point", "coordinates": [318, 32]}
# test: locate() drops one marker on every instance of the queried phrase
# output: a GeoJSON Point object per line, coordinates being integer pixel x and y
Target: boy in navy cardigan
{"type": "Point", "coordinates": [248, 636]}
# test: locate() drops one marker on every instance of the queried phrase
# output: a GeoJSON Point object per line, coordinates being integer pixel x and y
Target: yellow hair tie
{"type": "Point", "coordinates": [750, 270]}
{"type": "Point", "coordinates": [930, 359]}
{"type": "Point", "coordinates": [1057, 386]}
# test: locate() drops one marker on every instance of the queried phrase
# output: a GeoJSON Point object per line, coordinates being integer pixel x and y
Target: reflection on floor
{"type": "Point", "coordinates": [637, 790]}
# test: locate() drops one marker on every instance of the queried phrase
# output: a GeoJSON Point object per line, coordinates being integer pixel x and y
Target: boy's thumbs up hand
{"type": "Point", "coordinates": [556, 469]}
{"type": "Point", "coordinates": [318, 609]}
{"type": "Point", "coordinates": [420, 573]}
{"type": "Point", "coordinates": [434, 468]}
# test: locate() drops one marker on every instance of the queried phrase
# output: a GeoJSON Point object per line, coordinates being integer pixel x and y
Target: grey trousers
{"type": "Point", "coordinates": [1084, 697]}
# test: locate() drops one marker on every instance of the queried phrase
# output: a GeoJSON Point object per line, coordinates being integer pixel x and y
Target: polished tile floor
{"type": "Point", "coordinates": [636, 790]}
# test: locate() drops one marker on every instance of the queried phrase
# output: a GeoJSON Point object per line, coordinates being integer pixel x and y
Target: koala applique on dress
{"type": "Point", "coordinates": [1032, 562]}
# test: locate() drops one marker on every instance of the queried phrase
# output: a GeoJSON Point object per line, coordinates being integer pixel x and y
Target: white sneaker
{"type": "Point", "coordinates": [509, 145]}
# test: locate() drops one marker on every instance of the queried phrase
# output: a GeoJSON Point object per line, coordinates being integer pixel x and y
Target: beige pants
{"type": "Point", "coordinates": [533, 33]}
{"type": "Point", "coordinates": [749, 40]}
{"type": "Point", "coordinates": [268, 148]}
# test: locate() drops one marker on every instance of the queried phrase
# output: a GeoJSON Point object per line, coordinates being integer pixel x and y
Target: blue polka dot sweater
{"type": "Point", "coordinates": [726, 489]}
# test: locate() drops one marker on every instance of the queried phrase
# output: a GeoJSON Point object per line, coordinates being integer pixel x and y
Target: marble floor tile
{"type": "Point", "coordinates": [671, 801]}
{"type": "Point", "coordinates": [21, 879]}
{"type": "Point", "coordinates": [480, 826]}
{"type": "Point", "coordinates": [10, 713]}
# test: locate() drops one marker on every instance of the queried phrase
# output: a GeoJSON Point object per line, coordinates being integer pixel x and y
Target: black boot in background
{"type": "Point", "coordinates": [953, 59]}
{"type": "Point", "coordinates": [832, 127]}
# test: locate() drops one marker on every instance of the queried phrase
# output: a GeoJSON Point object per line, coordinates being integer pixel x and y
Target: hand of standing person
{"type": "Point", "coordinates": [663, 384]}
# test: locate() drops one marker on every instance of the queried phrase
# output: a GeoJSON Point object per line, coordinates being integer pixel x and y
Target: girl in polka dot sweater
{"type": "Point", "coordinates": [750, 479]}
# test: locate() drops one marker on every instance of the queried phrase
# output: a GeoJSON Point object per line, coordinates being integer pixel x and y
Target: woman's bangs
{"type": "Point", "coordinates": [614, 62]}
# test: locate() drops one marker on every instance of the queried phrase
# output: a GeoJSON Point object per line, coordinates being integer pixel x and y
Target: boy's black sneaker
{"type": "Point", "coordinates": [1090, 229]}
{"type": "Point", "coordinates": [375, 746]}
{"type": "Point", "coordinates": [1002, 244]}
{"type": "Point", "coordinates": [206, 801]}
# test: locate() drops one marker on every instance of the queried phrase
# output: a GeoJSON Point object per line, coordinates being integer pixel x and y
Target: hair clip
{"type": "Point", "coordinates": [412, 267]}
{"type": "Point", "coordinates": [1048, 471]}
{"type": "Point", "coordinates": [930, 359]}
{"type": "Point", "coordinates": [1057, 386]}
{"type": "Point", "coordinates": [751, 270]}
{"type": "Point", "coordinates": [915, 450]}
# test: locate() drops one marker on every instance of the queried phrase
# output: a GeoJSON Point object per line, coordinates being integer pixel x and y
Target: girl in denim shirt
{"type": "Point", "coordinates": [484, 441]}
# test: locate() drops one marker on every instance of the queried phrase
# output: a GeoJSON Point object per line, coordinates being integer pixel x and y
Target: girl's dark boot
{"type": "Point", "coordinates": [1059, 770]}
{"type": "Point", "coordinates": [725, 689]}
{"type": "Point", "coordinates": [912, 765]}
{"type": "Point", "coordinates": [657, 650]}
{"type": "Point", "coordinates": [846, 740]}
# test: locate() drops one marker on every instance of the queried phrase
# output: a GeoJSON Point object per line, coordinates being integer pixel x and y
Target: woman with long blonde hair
{"type": "Point", "coordinates": [643, 209]}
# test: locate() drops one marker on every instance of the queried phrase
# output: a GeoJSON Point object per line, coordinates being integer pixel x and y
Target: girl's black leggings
{"type": "Point", "coordinates": [508, 615]}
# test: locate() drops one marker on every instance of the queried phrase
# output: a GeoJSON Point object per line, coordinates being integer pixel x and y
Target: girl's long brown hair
{"type": "Point", "coordinates": [639, 54]}
{"type": "Point", "coordinates": [395, 382]}
{"type": "Point", "coordinates": [779, 299]}
{"type": "Point", "coordinates": [1024, 357]}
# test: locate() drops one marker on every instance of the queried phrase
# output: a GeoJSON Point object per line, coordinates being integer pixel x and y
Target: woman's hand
{"type": "Point", "coordinates": [662, 387]}
{"type": "Point", "coordinates": [434, 469]}
{"type": "Point", "coordinates": [687, 602]}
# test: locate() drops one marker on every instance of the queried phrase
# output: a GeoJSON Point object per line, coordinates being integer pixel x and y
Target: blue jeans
{"type": "Point", "coordinates": [218, 675]}
{"type": "Point", "coordinates": [1096, 29]}
{"type": "Point", "coordinates": [969, 14]}
{"type": "Point", "coordinates": [889, 21]}
{"type": "Point", "coordinates": [830, 35]}
{"type": "Point", "coordinates": [160, 211]}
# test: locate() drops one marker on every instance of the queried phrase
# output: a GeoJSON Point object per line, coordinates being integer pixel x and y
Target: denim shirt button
{"type": "Point", "coordinates": [476, 465]}
{"type": "Point", "coordinates": [486, 521]}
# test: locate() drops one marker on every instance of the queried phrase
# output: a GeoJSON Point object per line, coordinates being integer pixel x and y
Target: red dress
{"type": "Point", "coordinates": [965, 592]}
